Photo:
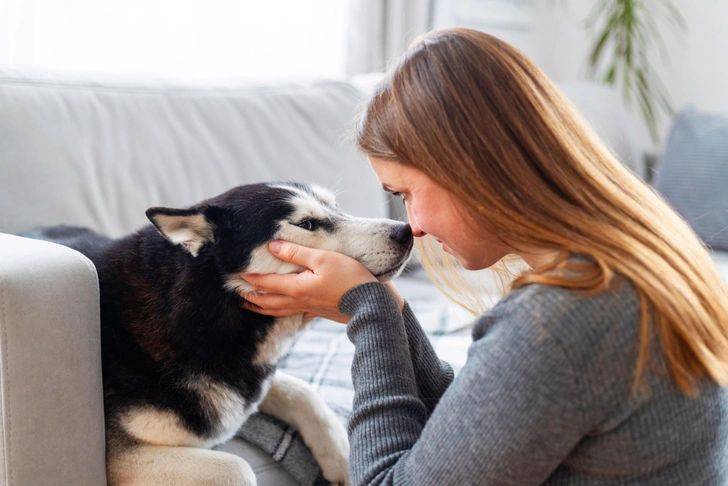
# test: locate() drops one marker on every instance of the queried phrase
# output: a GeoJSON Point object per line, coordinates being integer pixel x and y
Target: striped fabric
{"type": "Point", "coordinates": [692, 174]}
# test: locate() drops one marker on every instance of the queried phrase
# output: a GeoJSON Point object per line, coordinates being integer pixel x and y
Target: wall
{"type": "Point", "coordinates": [697, 70]}
{"type": "Point", "coordinates": [553, 34]}
{"type": "Point", "coordinates": [513, 21]}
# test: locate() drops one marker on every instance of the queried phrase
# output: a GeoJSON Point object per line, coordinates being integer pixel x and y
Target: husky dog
{"type": "Point", "coordinates": [184, 364]}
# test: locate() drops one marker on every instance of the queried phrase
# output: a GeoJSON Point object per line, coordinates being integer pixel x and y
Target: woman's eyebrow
{"type": "Point", "coordinates": [387, 188]}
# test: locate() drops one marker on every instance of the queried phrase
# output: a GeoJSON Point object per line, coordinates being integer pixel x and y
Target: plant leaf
{"type": "Point", "coordinates": [630, 30]}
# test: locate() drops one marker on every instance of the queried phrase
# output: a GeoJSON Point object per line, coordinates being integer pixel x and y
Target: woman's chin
{"type": "Point", "coordinates": [466, 263]}
{"type": "Point", "coordinates": [471, 265]}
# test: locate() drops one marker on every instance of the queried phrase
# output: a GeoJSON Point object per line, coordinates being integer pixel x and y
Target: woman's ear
{"type": "Point", "coordinates": [186, 227]}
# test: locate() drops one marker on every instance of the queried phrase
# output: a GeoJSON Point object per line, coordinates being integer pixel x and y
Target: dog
{"type": "Point", "coordinates": [184, 364]}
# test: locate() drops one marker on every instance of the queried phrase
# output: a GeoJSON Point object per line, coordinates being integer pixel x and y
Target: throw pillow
{"type": "Point", "coordinates": [692, 174]}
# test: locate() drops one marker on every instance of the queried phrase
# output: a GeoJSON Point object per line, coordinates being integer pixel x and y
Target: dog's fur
{"type": "Point", "coordinates": [184, 364]}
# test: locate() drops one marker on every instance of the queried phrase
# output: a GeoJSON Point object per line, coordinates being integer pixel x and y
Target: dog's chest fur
{"type": "Point", "coordinates": [278, 340]}
{"type": "Point", "coordinates": [223, 407]}
{"type": "Point", "coordinates": [212, 410]}
{"type": "Point", "coordinates": [226, 411]}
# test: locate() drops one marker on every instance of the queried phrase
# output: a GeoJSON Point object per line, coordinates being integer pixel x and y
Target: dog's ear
{"type": "Point", "coordinates": [187, 227]}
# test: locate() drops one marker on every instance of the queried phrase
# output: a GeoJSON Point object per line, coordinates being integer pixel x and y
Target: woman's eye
{"type": "Point", "coordinates": [307, 224]}
{"type": "Point", "coordinates": [398, 194]}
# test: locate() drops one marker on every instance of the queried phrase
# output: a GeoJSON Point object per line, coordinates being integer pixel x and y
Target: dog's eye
{"type": "Point", "coordinates": [307, 224]}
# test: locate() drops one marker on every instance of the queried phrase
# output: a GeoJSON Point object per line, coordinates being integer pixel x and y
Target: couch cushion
{"type": "Point", "coordinates": [98, 152]}
{"type": "Point", "coordinates": [692, 174]}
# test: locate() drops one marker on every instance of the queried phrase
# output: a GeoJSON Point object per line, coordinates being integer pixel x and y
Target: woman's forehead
{"type": "Point", "coordinates": [394, 173]}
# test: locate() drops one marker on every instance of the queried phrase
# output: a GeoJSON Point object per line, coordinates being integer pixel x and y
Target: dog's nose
{"type": "Point", "coordinates": [402, 234]}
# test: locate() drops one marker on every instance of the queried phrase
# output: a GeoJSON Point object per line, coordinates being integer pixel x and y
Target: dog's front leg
{"type": "Point", "coordinates": [295, 402]}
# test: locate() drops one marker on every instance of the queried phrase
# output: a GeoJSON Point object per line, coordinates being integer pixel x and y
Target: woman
{"type": "Point", "coordinates": [604, 364]}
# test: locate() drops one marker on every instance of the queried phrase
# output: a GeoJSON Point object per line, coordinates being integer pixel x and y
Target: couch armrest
{"type": "Point", "coordinates": [51, 399]}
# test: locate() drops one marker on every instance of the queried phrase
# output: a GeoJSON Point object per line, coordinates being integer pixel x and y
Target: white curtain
{"type": "Point", "coordinates": [198, 37]}
{"type": "Point", "coordinates": [381, 30]}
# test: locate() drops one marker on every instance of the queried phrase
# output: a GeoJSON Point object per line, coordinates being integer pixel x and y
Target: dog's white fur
{"type": "Point", "coordinates": [191, 232]}
{"type": "Point", "coordinates": [285, 331]}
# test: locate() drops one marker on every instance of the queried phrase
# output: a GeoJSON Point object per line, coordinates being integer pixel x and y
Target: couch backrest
{"type": "Point", "coordinates": [98, 152]}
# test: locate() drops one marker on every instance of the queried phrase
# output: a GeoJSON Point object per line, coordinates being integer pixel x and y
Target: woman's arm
{"type": "Point", "coordinates": [318, 292]}
{"type": "Point", "coordinates": [510, 417]}
{"type": "Point", "coordinates": [433, 375]}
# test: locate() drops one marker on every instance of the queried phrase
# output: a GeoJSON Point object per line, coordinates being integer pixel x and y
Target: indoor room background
{"type": "Point", "coordinates": [338, 38]}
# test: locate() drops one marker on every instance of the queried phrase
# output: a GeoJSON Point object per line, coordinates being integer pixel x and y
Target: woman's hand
{"type": "Point", "coordinates": [316, 292]}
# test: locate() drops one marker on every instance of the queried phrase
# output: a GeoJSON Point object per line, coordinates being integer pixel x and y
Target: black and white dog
{"type": "Point", "coordinates": [184, 364]}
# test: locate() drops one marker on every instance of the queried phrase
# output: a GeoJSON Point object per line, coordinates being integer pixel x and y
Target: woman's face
{"type": "Point", "coordinates": [431, 209]}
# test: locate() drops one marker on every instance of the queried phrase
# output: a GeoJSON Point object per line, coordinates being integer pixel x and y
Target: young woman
{"type": "Point", "coordinates": [604, 364]}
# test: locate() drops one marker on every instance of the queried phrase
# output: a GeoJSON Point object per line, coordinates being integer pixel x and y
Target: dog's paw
{"type": "Point", "coordinates": [332, 453]}
{"type": "Point", "coordinates": [336, 470]}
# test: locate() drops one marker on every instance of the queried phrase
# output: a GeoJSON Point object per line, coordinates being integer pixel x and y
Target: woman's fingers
{"type": "Point", "coordinates": [273, 283]}
{"type": "Point", "coordinates": [317, 290]}
{"type": "Point", "coordinates": [300, 255]}
{"type": "Point", "coordinates": [280, 306]}
{"type": "Point", "coordinates": [269, 301]}
{"type": "Point", "coordinates": [269, 312]}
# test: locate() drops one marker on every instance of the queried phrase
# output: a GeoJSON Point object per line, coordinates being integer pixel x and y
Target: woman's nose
{"type": "Point", "coordinates": [416, 230]}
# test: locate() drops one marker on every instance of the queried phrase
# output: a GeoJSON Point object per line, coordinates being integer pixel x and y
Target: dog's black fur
{"type": "Point", "coordinates": [165, 315]}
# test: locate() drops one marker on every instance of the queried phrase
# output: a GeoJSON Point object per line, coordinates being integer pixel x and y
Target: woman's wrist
{"type": "Point", "coordinates": [374, 295]}
{"type": "Point", "coordinates": [400, 300]}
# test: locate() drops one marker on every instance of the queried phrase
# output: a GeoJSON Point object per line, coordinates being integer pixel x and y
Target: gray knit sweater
{"type": "Point", "coordinates": [544, 398]}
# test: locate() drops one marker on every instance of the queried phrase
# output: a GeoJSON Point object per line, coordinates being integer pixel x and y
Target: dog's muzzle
{"type": "Point", "coordinates": [402, 234]}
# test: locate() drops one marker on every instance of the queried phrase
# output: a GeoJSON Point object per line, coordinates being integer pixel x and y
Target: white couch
{"type": "Point", "coordinates": [97, 152]}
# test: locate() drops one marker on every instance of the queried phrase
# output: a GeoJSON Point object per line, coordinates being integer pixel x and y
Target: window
{"type": "Point", "coordinates": [192, 37]}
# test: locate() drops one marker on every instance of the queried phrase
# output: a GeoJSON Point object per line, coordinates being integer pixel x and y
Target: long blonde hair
{"type": "Point", "coordinates": [478, 117]}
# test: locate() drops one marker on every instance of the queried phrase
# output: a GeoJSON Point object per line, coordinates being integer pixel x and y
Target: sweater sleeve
{"type": "Point", "coordinates": [509, 418]}
{"type": "Point", "coordinates": [433, 375]}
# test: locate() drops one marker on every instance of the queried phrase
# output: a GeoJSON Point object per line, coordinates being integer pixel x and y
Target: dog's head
{"type": "Point", "coordinates": [236, 227]}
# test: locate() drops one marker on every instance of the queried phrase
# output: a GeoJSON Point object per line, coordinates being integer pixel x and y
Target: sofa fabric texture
{"type": "Point", "coordinates": [692, 174]}
{"type": "Point", "coordinates": [97, 152]}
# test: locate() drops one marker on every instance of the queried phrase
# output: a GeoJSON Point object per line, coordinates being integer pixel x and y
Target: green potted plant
{"type": "Point", "coordinates": [624, 31]}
